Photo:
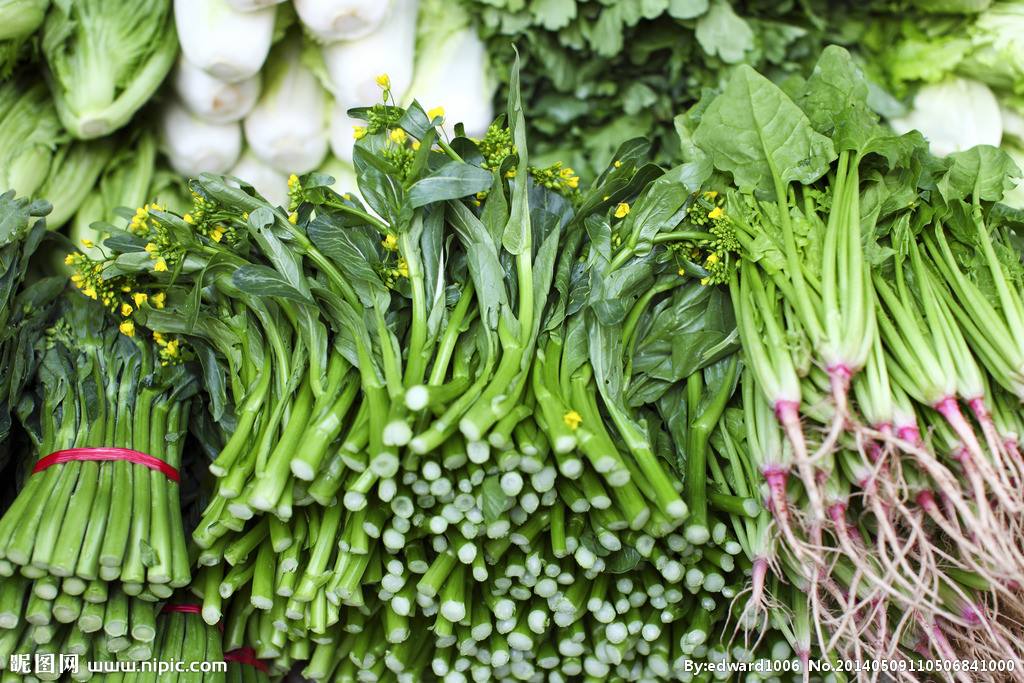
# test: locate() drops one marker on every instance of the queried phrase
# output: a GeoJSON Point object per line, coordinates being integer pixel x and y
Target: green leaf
{"type": "Point", "coordinates": [516, 236]}
{"type": "Point", "coordinates": [687, 9]}
{"type": "Point", "coordinates": [263, 281]}
{"type": "Point", "coordinates": [983, 172]}
{"type": "Point", "coordinates": [453, 180]}
{"type": "Point", "coordinates": [623, 560]}
{"type": "Point", "coordinates": [835, 101]}
{"type": "Point", "coordinates": [756, 133]}
{"type": "Point", "coordinates": [354, 251]}
{"type": "Point", "coordinates": [723, 33]}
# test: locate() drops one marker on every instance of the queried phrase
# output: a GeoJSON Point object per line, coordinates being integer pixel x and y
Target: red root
{"type": "Point", "coordinates": [788, 415]}
{"type": "Point", "coordinates": [776, 478]}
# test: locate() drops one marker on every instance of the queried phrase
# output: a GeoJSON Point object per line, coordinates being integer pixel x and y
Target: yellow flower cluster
{"type": "Point", "coordinates": [572, 420]}
{"type": "Point", "coordinates": [556, 177]}
{"type": "Point", "coordinates": [171, 349]}
{"type": "Point", "coordinates": [206, 220]}
{"type": "Point", "coordinates": [708, 211]}
{"type": "Point", "coordinates": [117, 294]}
{"type": "Point", "coordinates": [294, 192]}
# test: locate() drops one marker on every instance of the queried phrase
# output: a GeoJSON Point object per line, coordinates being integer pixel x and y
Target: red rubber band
{"type": "Point", "coordinates": [137, 457]}
{"type": "Point", "coordinates": [245, 655]}
{"type": "Point", "coordinates": [182, 609]}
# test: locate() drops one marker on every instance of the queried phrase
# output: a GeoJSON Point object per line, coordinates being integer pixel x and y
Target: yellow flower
{"type": "Point", "coordinates": [90, 292]}
{"type": "Point", "coordinates": [127, 328]}
{"type": "Point", "coordinates": [171, 348]}
{"type": "Point", "coordinates": [435, 113]}
{"type": "Point", "coordinates": [710, 194]}
{"type": "Point", "coordinates": [187, 218]}
{"type": "Point", "coordinates": [682, 273]}
{"type": "Point", "coordinates": [69, 260]}
{"type": "Point", "coordinates": [293, 218]}
{"type": "Point", "coordinates": [139, 298]}
{"type": "Point", "coordinates": [716, 212]}
{"type": "Point", "coordinates": [152, 249]}
{"type": "Point", "coordinates": [159, 339]}
{"type": "Point", "coordinates": [572, 420]}
{"type": "Point", "coordinates": [217, 234]}
{"type": "Point", "coordinates": [384, 81]}
{"type": "Point", "coordinates": [88, 244]}
{"type": "Point", "coordinates": [574, 182]}
{"type": "Point", "coordinates": [397, 135]}
{"type": "Point", "coordinates": [359, 132]}
{"type": "Point", "coordinates": [158, 299]}
{"type": "Point", "coordinates": [126, 310]}
{"type": "Point", "coordinates": [622, 210]}
{"type": "Point", "coordinates": [293, 180]}
{"type": "Point", "coordinates": [403, 268]}
{"type": "Point", "coordinates": [160, 266]}
{"type": "Point", "coordinates": [415, 145]}
{"type": "Point", "coordinates": [712, 259]}
{"type": "Point", "coordinates": [705, 280]}
{"type": "Point", "coordinates": [390, 242]}
{"type": "Point", "coordinates": [617, 164]}
{"type": "Point", "coordinates": [606, 198]}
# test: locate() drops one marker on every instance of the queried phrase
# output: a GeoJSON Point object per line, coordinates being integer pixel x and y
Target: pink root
{"type": "Point", "coordinates": [776, 478]}
{"type": "Point", "coordinates": [788, 415]}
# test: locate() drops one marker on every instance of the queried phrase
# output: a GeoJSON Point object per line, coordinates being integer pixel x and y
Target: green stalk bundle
{"type": "Point", "coordinates": [109, 520]}
{"type": "Point", "coordinates": [482, 406]}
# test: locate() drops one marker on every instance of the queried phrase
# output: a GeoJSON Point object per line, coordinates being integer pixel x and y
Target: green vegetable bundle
{"type": "Point", "coordinates": [877, 294]}
{"type": "Point", "coordinates": [98, 622]}
{"type": "Point", "coordinates": [462, 407]}
{"type": "Point", "coordinates": [80, 519]}
{"type": "Point", "coordinates": [24, 307]}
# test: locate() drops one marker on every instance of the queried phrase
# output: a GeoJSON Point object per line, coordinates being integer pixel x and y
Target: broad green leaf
{"type": "Point", "coordinates": [983, 172]}
{"type": "Point", "coordinates": [355, 253]}
{"type": "Point", "coordinates": [756, 133]}
{"type": "Point", "coordinates": [263, 281]}
{"type": "Point", "coordinates": [453, 180]}
{"type": "Point", "coordinates": [835, 101]}
{"type": "Point", "coordinates": [723, 33]}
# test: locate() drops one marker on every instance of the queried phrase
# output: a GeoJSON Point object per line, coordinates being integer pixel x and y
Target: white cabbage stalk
{"type": "Point", "coordinates": [1013, 122]}
{"type": "Point", "coordinates": [195, 146]}
{"type": "Point", "coordinates": [331, 20]}
{"type": "Point", "coordinates": [353, 65]}
{"type": "Point", "coordinates": [269, 182]}
{"type": "Point", "coordinates": [954, 115]}
{"type": "Point", "coordinates": [212, 99]}
{"type": "Point", "coordinates": [453, 74]}
{"type": "Point", "coordinates": [222, 41]}
{"type": "Point", "coordinates": [342, 125]}
{"type": "Point", "coordinates": [252, 5]}
{"type": "Point", "coordinates": [287, 127]}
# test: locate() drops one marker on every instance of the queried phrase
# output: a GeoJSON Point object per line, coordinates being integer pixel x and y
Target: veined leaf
{"type": "Point", "coordinates": [756, 133]}
{"type": "Point", "coordinates": [453, 180]}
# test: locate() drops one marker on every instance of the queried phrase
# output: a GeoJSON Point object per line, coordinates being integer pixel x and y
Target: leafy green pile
{"type": "Point", "coordinates": [484, 405]}
{"type": "Point", "coordinates": [596, 73]}
{"type": "Point", "coordinates": [877, 293]}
